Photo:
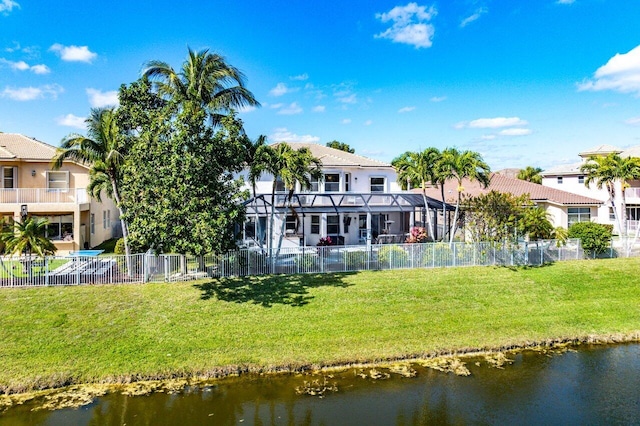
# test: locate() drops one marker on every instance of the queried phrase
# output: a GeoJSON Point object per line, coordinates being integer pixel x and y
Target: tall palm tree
{"type": "Point", "coordinates": [102, 151]}
{"type": "Point", "coordinates": [462, 165]}
{"type": "Point", "coordinates": [206, 79]}
{"type": "Point", "coordinates": [252, 150]}
{"type": "Point", "coordinates": [28, 237]}
{"type": "Point", "coordinates": [418, 169]}
{"type": "Point", "coordinates": [606, 172]}
{"type": "Point", "coordinates": [531, 174]}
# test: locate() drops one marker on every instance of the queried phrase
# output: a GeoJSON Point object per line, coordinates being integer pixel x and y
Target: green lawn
{"type": "Point", "coordinates": [52, 336]}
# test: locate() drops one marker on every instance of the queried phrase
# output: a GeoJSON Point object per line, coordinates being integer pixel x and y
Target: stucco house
{"type": "Point", "coordinates": [357, 202]}
{"type": "Point", "coordinates": [569, 178]}
{"type": "Point", "coordinates": [29, 184]}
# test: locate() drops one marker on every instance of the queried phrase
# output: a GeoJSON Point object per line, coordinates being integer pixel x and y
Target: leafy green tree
{"type": "Point", "coordinates": [341, 146]}
{"type": "Point", "coordinates": [495, 216]}
{"type": "Point", "coordinates": [531, 174]}
{"type": "Point", "coordinates": [595, 237]}
{"type": "Point", "coordinates": [458, 165]}
{"type": "Point", "coordinates": [28, 238]}
{"type": "Point", "coordinates": [418, 169]}
{"type": "Point", "coordinates": [606, 172]}
{"type": "Point", "coordinates": [103, 151]}
{"type": "Point", "coordinates": [535, 223]}
{"type": "Point", "coordinates": [205, 79]}
{"type": "Point", "coordinates": [178, 191]}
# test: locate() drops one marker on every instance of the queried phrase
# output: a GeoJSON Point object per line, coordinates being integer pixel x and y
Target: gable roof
{"type": "Point", "coordinates": [603, 149]}
{"type": "Point", "coordinates": [517, 187]}
{"type": "Point", "coordinates": [332, 157]}
{"type": "Point", "coordinates": [19, 147]}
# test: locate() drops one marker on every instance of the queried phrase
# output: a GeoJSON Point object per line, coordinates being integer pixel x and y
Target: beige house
{"type": "Point", "coordinates": [29, 185]}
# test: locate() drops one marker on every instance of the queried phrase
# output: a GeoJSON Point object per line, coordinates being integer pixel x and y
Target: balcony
{"type": "Point", "coordinates": [632, 193]}
{"type": "Point", "coordinates": [43, 196]}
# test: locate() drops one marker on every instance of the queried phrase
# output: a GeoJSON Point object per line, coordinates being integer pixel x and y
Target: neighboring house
{"type": "Point", "coordinates": [563, 208]}
{"type": "Point", "coordinates": [75, 220]}
{"type": "Point", "coordinates": [570, 178]}
{"type": "Point", "coordinates": [357, 202]}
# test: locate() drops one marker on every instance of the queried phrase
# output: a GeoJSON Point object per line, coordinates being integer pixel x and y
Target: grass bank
{"type": "Point", "coordinates": [57, 336]}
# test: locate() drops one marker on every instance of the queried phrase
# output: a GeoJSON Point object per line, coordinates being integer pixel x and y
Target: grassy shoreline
{"type": "Point", "coordinates": [55, 337]}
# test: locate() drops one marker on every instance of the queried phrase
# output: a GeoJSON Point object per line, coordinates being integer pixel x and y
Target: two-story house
{"type": "Point", "coordinates": [357, 202]}
{"type": "Point", "coordinates": [30, 186]}
{"type": "Point", "coordinates": [571, 179]}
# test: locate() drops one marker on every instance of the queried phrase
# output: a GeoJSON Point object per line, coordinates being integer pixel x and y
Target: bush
{"type": "Point", "coordinates": [119, 248]}
{"type": "Point", "coordinates": [392, 257]}
{"type": "Point", "coordinates": [355, 260]}
{"type": "Point", "coordinates": [439, 254]}
{"type": "Point", "coordinates": [307, 262]}
{"type": "Point", "coordinates": [595, 237]}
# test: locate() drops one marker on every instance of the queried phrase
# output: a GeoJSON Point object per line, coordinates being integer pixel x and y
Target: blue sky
{"type": "Point", "coordinates": [523, 83]}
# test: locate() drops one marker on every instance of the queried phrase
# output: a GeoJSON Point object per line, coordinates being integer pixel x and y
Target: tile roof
{"type": "Point", "coordinates": [332, 157]}
{"type": "Point", "coordinates": [600, 150]}
{"type": "Point", "coordinates": [517, 187]}
{"type": "Point", "coordinates": [19, 147]}
{"type": "Point", "coordinates": [564, 169]}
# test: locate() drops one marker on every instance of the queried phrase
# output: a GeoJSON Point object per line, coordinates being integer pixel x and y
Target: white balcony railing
{"type": "Point", "coordinates": [632, 193]}
{"type": "Point", "coordinates": [43, 195]}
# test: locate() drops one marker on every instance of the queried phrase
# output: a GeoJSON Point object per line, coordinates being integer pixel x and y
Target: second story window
{"type": "Point", "coordinates": [280, 185]}
{"type": "Point", "coordinates": [332, 182]}
{"type": "Point", "coordinates": [580, 179]}
{"type": "Point", "coordinates": [347, 182]}
{"type": "Point", "coordinates": [9, 177]}
{"type": "Point", "coordinates": [58, 180]}
{"type": "Point", "coordinates": [559, 180]}
{"type": "Point", "coordinates": [377, 184]}
{"type": "Point", "coordinates": [315, 186]}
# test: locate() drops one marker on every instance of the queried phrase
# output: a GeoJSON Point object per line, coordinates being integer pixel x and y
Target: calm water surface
{"type": "Point", "coordinates": [596, 385]}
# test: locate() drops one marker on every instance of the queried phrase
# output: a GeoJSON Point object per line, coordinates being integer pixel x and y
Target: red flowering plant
{"type": "Point", "coordinates": [326, 241]}
{"type": "Point", "coordinates": [418, 234]}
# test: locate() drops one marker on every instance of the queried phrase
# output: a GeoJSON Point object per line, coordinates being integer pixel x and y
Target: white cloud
{"type": "Point", "coordinates": [301, 77]}
{"type": "Point", "coordinates": [99, 99]}
{"type": "Point", "coordinates": [492, 123]}
{"type": "Point", "coordinates": [347, 99]}
{"type": "Point", "coordinates": [368, 122]}
{"type": "Point", "coordinates": [409, 25]}
{"type": "Point", "coordinates": [438, 98]}
{"type": "Point", "coordinates": [23, 66]}
{"type": "Point", "coordinates": [71, 120]}
{"type": "Point", "coordinates": [406, 109]}
{"type": "Point", "coordinates": [74, 53]}
{"type": "Point", "coordinates": [291, 109]}
{"type": "Point", "coordinates": [346, 121]}
{"type": "Point", "coordinates": [515, 131]}
{"type": "Point", "coordinates": [276, 106]}
{"type": "Point", "coordinates": [621, 73]}
{"type": "Point", "coordinates": [32, 93]}
{"type": "Point", "coordinates": [566, 1]}
{"type": "Point", "coordinates": [474, 17]}
{"type": "Point", "coordinates": [7, 6]}
{"type": "Point", "coordinates": [282, 89]}
{"type": "Point", "coordinates": [283, 135]}
{"type": "Point", "coordinates": [488, 137]}
{"type": "Point", "coordinates": [634, 121]}
{"type": "Point", "coordinates": [319, 108]}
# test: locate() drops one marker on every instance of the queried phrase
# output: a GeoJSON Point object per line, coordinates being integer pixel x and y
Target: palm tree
{"type": "Point", "coordinates": [28, 237]}
{"type": "Point", "coordinates": [102, 150]}
{"type": "Point", "coordinates": [206, 79]}
{"type": "Point", "coordinates": [418, 169]}
{"type": "Point", "coordinates": [251, 151]}
{"type": "Point", "coordinates": [462, 165]}
{"type": "Point", "coordinates": [605, 172]}
{"type": "Point", "coordinates": [531, 174]}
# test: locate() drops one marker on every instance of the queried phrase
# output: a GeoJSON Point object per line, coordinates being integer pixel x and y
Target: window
{"type": "Point", "coordinates": [315, 186]}
{"type": "Point", "coordinates": [59, 227]}
{"type": "Point", "coordinates": [633, 213]}
{"type": "Point", "coordinates": [333, 225]}
{"type": "Point", "coordinates": [291, 224]}
{"type": "Point", "coordinates": [9, 177]}
{"type": "Point", "coordinates": [92, 223]}
{"type": "Point", "coordinates": [280, 185]}
{"type": "Point", "coordinates": [580, 179]}
{"type": "Point", "coordinates": [579, 214]}
{"type": "Point", "coordinates": [58, 180]}
{"type": "Point", "coordinates": [559, 180]}
{"type": "Point", "coordinates": [377, 184]}
{"type": "Point", "coordinates": [106, 219]}
{"type": "Point", "coordinates": [612, 215]}
{"type": "Point", "coordinates": [332, 182]}
{"type": "Point", "coordinates": [315, 224]}
{"type": "Point", "coordinates": [347, 182]}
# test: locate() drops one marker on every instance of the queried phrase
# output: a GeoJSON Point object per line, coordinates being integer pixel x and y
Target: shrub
{"type": "Point", "coordinates": [355, 260]}
{"type": "Point", "coordinates": [439, 254]}
{"type": "Point", "coordinates": [595, 237]}
{"type": "Point", "coordinates": [307, 262]}
{"type": "Point", "coordinates": [418, 234]}
{"type": "Point", "coordinates": [119, 247]}
{"type": "Point", "coordinates": [392, 257]}
{"type": "Point", "coordinates": [326, 241]}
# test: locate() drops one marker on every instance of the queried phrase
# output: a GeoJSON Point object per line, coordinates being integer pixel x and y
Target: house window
{"type": "Point", "coordinates": [333, 225]}
{"type": "Point", "coordinates": [106, 219]}
{"type": "Point", "coordinates": [315, 224]}
{"type": "Point", "coordinates": [633, 213]}
{"type": "Point", "coordinates": [580, 179]}
{"type": "Point", "coordinates": [8, 177]}
{"type": "Point", "coordinates": [315, 185]}
{"type": "Point", "coordinates": [291, 224]}
{"type": "Point", "coordinates": [332, 182]}
{"type": "Point", "coordinates": [377, 184]}
{"type": "Point", "coordinates": [579, 214]}
{"type": "Point", "coordinates": [59, 227]}
{"type": "Point", "coordinates": [58, 180]}
{"type": "Point", "coordinates": [559, 180]}
{"type": "Point", "coordinates": [92, 223]}
{"type": "Point", "coordinates": [280, 185]}
{"type": "Point", "coordinates": [612, 214]}
{"type": "Point", "coordinates": [347, 182]}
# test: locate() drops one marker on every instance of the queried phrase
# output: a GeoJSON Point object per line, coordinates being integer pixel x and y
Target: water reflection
{"type": "Point", "coordinates": [597, 385]}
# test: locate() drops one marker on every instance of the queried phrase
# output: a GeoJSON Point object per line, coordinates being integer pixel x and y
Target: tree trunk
{"type": "Point", "coordinates": [123, 224]}
{"type": "Point", "coordinates": [444, 212]}
{"type": "Point", "coordinates": [427, 212]}
{"type": "Point", "coordinates": [455, 221]}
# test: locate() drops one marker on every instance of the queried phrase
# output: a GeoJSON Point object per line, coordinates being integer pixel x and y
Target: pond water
{"type": "Point", "coordinates": [593, 385]}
